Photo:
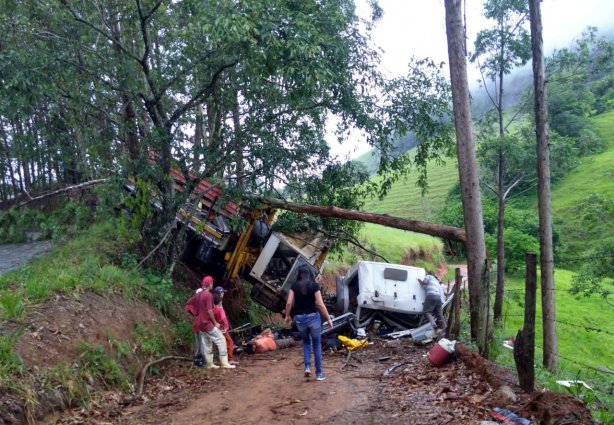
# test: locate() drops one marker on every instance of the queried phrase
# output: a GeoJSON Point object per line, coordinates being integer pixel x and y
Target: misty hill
{"type": "Point", "coordinates": [518, 82]}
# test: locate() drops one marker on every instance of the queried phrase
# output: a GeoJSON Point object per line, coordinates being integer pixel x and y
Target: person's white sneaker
{"type": "Point", "coordinates": [307, 372]}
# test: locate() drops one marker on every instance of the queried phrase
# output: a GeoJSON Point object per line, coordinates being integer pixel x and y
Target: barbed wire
{"type": "Point", "coordinates": [588, 328]}
{"type": "Point", "coordinates": [522, 289]}
{"type": "Point", "coordinates": [593, 368]}
{"type": "Point", "coordinates": [577, 363]}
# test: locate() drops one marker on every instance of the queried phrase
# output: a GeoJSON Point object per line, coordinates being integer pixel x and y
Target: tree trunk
{"type": "Point", "coordinates": [524, 346]}
{"type": "Point", "coordinates": [467, 165]}
{"type": "Point", "coordinates": [9, 160]}
{"type": "Point", "coordinates": [543, 191]}
{"type": "Point", "coordinates": [438, 230]}
{"type": "Point", "coordinates": [129, 135]}
{"type": "Point", "coordinates": [238, 144]}
{"type": "Point", "coordinates": [65, 190]}
{"type": "Point", "coordinates": [500, 242]}
{"type": "Point", "coordinates": [21, 154]}
{"type": "Point", "coordinates": [198, 139]}
{"type": "Point", "coordinates": [453, 331]}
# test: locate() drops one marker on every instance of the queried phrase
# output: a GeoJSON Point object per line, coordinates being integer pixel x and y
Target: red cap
{"type": "Point", "coordinates": [207, 281]}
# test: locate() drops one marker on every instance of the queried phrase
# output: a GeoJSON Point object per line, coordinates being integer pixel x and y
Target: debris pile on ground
{"type": "Point", "coordinates": [556, 408]}
{"type": "Point", "coordinates": [386, 382]}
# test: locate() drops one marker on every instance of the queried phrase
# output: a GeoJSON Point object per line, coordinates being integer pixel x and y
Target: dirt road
{"type": "Point", "coordinates": [15, 255]}
{"type": "Point", "coordinates": [270, 389]}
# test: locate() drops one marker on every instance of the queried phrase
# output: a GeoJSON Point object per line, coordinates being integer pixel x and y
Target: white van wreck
{"type": "Point", "coordinates": [387, 292]}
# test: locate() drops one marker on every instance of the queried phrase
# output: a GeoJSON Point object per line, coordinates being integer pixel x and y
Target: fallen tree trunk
{"type": "Point", "coordinates": [439, 230]}
{"type": "Point", "coordinates": [64, 190]}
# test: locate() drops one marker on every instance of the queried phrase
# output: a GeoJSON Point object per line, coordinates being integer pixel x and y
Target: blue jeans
{"type": "Point", "coordinates": [310, 329]}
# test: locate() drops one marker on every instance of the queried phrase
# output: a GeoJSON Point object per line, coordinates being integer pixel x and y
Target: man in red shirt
{"type": "Point", "coordinates": [208, 327]}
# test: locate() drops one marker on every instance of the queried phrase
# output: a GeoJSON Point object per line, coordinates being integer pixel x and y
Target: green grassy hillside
{"type": "Point", "coordinates": [405, 198]}
{"type": "Point", "coordinates": [585, 332]}
{"type": "Point", "coordinates": [369, 160]}
{"type": "Point", "coordinates": [584, 325]}
{"type": "Point", "coordinates": [395, 245]}
{"type": "Point", "coordinates": [576, 200]}
{"type": "Point", "coordinates": [594, 175]}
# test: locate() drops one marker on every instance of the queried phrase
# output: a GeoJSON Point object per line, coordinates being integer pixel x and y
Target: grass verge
{"type": "Point", "coordinates": [585, 332]}
{"type": "Point", "coordinates": [94, 260]}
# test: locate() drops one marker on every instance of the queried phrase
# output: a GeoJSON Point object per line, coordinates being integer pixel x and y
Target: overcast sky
{"type": "Point", "coordinates": [417, 28]}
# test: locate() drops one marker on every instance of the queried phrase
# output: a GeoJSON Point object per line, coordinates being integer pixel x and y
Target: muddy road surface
{"type": "Point", "coordinates": [15, 255]}
{"type": "Point", "coordinates": [390, 382]}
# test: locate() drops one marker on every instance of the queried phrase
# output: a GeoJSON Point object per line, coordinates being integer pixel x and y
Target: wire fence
{"type": "Point", "coordinates": [599, 378]}
{"type": "Point", "coordinates": [585, 327]}
{"type": "Point", "coordinates": [574, 366]}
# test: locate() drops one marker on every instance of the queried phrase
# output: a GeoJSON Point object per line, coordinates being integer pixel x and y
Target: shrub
{"type": "Point", "coordinates": [97, 366]}
{"type": "Point", "coordinates": [517, 243]}
{"type": "Point", "coordinates": [588, 142]}
{"type": "Point", "coordinates": [10, 363]}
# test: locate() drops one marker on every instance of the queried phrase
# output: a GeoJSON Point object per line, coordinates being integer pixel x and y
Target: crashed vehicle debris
{"type": "Point", "coordinates": [268, 260]}
{"type": "Point", "coordinates": [389, 293]}
{"type": "Point", "coordinates": [232, 241]}
{"type": "Point", "coordinates": [370, 291]}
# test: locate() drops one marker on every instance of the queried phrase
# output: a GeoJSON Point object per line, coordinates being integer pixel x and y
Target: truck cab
{"type": "Point", "coordinates": [387, 292]}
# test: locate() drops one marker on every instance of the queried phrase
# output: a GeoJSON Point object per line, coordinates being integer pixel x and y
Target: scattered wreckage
{"type": "Point", "coordinates": [390, 294]}
{"type": "Point", "coordinates": [237, 241]}
{"type": "Point", "coordinates": [232, 241]}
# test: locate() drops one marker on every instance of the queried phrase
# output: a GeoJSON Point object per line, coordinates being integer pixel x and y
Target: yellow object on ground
{"type": "Point", "coordinates": [353, 344]}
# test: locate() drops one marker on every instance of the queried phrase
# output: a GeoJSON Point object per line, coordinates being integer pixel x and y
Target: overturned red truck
{"type": "Point", "coordinates": [238, 242]}
{"type": "Point", "coordinates": [241, 244]}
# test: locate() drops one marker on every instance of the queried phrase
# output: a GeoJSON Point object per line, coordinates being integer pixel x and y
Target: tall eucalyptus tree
{"type": "Point", "coordinates": [468, 174]}
{"type": "Point", "coordinates": [498, 51]}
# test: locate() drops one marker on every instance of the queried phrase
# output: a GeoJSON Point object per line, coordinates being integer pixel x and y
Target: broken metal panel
{"type": "Point", "coordinates": [417, 334]}
{"type": "Point", "coordinates": [309, 246]}
{"type": "Point", "coordinates": [339, 323]}
{"type": "Point", "coordinates": [268, 296]}
{"type": "Point", "coordinates": [278, 263]}
{"type": "Point", "coordinates": [265, 256]}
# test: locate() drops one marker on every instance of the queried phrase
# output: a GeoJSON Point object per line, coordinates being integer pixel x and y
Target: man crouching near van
{"type": "Point", "coordinates": [433, 304]}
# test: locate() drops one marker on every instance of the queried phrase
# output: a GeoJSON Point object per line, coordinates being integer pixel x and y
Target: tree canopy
{"type": "Point", "coordinates": [239, 92]}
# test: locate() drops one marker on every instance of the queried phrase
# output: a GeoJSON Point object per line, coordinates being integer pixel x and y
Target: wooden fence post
{"type": "Point", "coordinates": [454, 318]}
{"type": "Point", "coordinates": [524, 346]}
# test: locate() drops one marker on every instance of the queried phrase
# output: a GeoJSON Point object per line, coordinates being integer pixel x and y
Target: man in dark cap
{"type": "Point", "coordinates": [208, 327]}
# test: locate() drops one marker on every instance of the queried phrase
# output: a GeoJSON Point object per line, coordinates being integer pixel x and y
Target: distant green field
{"type": "Point", "coordinates": [405, 198]}
{"type": "Point", "coordinates": [594, 175]}
{"type": "Point", "coordinates": [369, 160]}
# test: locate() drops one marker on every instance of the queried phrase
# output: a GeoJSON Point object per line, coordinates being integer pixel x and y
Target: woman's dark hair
{"type": "Point", "coordinates": [304, 277]}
